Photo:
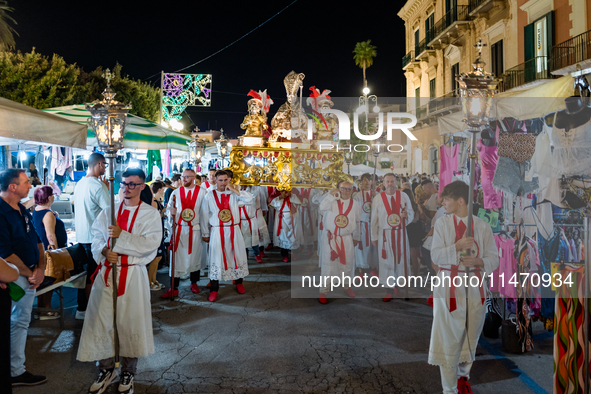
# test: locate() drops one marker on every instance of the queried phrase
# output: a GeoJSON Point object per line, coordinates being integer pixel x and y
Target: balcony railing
{"type": "Point", "coordinates": [438, 104]}
{"type": "Point", "coordinates": [422, 47]}
{"type": "Point", "coordinates": [530, 71]}
{"type": "Point", "coordinates": [455, 14]}
{"type": "Point", "coordinates": [571, 51]}
{"type": "Point", "coordinates": [409, 57]}
{"type": "Point", "coordinates": [476, 3]}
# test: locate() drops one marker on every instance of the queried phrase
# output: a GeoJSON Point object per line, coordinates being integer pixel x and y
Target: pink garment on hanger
{"type": "Point", "coordinates": [449, 164]}
{"type": "Point", "coordinates": [493, 198]}
{"type": "Point", "coordinates": [507, 267]}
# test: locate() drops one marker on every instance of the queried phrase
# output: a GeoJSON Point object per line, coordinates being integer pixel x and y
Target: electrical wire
{"type": "Point", "coordinates": [229, 45]}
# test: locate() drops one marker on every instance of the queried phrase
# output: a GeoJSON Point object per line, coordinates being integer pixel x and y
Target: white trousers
{"type": "Point", "coordinates": [450, 376]}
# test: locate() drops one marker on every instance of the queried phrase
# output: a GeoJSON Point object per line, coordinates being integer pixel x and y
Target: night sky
{"type": "Point", "coordinates": [310, 37]}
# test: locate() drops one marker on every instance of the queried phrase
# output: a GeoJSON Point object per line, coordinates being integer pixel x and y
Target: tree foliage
{"type": "Point", "coordinates": [6, 36]}
{"type": "Point", "coordinates": [42, 82]}
{"type": "Point", "coordinates": [363, 55]}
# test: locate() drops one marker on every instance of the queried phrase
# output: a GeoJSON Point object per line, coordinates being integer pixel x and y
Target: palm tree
{"type": "Point", "coordinates": [364, 53]}
{"type": "Point", "coordinates": [6, 37]}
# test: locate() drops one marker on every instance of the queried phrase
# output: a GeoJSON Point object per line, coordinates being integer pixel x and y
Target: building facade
{"type": "Point", "coordinates": [526, 43]}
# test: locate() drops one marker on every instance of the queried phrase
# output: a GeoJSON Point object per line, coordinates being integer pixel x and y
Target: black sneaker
{"type": "Point", "coordinates": [125, 383]}
{"type": "Point", "coordinates": [104, 379]}
{"type": "Point", "coordinates": [28, 379]}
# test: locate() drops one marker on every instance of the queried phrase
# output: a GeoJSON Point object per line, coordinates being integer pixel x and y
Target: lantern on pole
{"type": "Point", "coordinates": [108, 119]}
{"type": "Point", "coordinates": [477, 89]}
{"type": "Point", "coordinates": [347, 154]}
{"type": "Point", "coordinates": [196, 148]}
{"type": "Point", "coordinates": [223, 146]}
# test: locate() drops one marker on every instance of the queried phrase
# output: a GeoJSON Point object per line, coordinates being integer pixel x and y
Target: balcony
{"type": "Point", "coordinates": [409, 57]}
{"type": "Point", "coordinates": [422, 50]}
{"type": "Point", "coordinates": [566, 55]}
{"type": "Point", "coordinates": [444, 29]}
{"type": "Point", "coordinates": [535, 69]}
{"type": "Point", "coordinates": [483, 8]}
{"type": "Point", "coordinates": [438, 106]}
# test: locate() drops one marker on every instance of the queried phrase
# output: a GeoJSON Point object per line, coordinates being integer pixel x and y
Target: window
{"type": "Point", "coordinates": [455, 72]}
{"type": "Point", "coordinates": [432, 87]}
{"type": "Point", "coordinates": [538, 39]}
{"type": "Point", "coordinates": [417, 41]}
{"type": "Point", "coordinates": [429, 27]}
{"type": "Point", "coordinates": [496, 56]}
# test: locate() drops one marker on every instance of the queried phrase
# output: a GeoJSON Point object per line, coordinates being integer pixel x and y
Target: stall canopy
{"type": "Point", "coordinates": [20, 124]}
{"type": "Point", "coordinates": [140, 133]}
{"type": "Point", "coordinates": [522, 104]}
{"type": "Point", "coordinates": [361, 169]}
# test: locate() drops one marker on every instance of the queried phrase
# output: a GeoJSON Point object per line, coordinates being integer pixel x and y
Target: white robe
{"type": "Point", "coordinates": [290, 235]}
{"type": "Point", "coordinates": [249, 225]}
{"type": "Point", "coordinates": [379, 223]}
{"type": "Point", "coordinates": [261, 206]}
{"type": "Point", "coordinates": [448, 345]}
{"type": "Point", "coordinates": [348, 234]}
{"type": "Point", "coordinates": [134, 313]}
{"type": "Point", "coordinates": [307, 218]}
{"type": "Point", "coordinates": [184, 262]}
{"type": "Point", "coordinates": [316, 200]}
{"type": "Point", "coordinates": [236, 263]}
{"type": "Point", "coordinates": [362, 255]}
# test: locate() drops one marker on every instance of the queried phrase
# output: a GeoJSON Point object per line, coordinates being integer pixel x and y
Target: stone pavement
{"type": "Point", "coordinates": [267, 342]}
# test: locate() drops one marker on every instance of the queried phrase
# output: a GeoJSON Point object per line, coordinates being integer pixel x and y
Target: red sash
{"type": "Point", "coordinates": [207, 184]}
{"type": "Point", "coordinates": [122, 219]}
{"type": "Point", "coordinates": [188, 200]}
{"type": "Point", "coordinates": [243, 210]}
{"type": "Point", "coordinates": [393, 209]}
{"type": "Point", "coordinates": [280, 226]}
{"type": "Point", "coordinates": [361, 245]}
{"type": "Point", "coordinates": [340, 252]}
{"type": "Point", "coordinates": [225, 204]}
{"type": "Point", "coordinates": [460, 229]}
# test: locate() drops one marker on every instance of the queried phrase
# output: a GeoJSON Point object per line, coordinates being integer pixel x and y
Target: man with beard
{"type": "Point", "coordinates": [185, 208]}
{"type": "Point", "coordinates": [390, 211]}
{"type": "Point", "coordinates": [364, 197]}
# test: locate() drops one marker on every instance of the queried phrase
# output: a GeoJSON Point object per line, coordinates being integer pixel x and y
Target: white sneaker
{"type": "Point", "coordinates": [126, 383]}
{"type": "Point", "coordinates": [80, 315]}
{"type": "Point", "coordinates": [103, 381]}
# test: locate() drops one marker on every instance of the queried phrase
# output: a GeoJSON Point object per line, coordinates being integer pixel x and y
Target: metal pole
{"type": "Point", "coordinates": [470, 220]}
{"type": "Point", "coordinates": [586, 308]}
{"type": "Point", "coordinates": [111, 156]}
{"type": "Point", "coordinates": [375, 180]}
{"type": "Point", "coordinates": [161, 95]}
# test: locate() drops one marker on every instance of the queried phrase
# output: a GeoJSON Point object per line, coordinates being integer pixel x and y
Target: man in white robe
{"type": "Point", "coordinates": [137, 234]}
{"type": "Point", "coordinates": [341, 216]}
{"type": "Point", "coordinates": [365, 198]}
{"type": "Point", "coordinates": [249, 225]}
{"type": "Point", "coordinates": [185, 209]}
{"type": "Point", "coordinates": [317, 198]}
{"type": "Point", "coordinates": [287, 230]}
{"type": "Point", "coordinates": [388, 234]}
{"type": "Point", "coordinates": [307, 218]}
{"type": "Point", "coordinates": [452, 348]}
{"type": "Point", "coordinates": [227, 256]}
{"type": "Point", "coordinates": [261, 212]}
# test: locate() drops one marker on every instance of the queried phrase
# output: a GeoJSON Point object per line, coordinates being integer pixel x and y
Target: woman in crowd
{"type": "Point", "coordinates": [158, 190]}
{"type": "Point", "coordinates": [52, 232]}
{"type": "Point", "coordinates": [415, 234]}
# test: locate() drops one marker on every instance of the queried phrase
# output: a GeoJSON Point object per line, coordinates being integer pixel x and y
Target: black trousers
{"type": "Point", "coordinates": [5, 308]}
{"type": "Point", "coordinates": [90, 269]}
{"type": "Point", "coordinates": [215, 284]}
{"type": "Point", "coordinates": [284, 252]}
{"type": "Point", "coordinates": [195, 277]}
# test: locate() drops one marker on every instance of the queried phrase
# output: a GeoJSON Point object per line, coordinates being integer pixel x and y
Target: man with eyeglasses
{"type": "Point", "coordinates": [138, 233]}
{"type": "Point", "coordinates": [91, 196]}
{"type": "Point", "coordinates": [341, 216]}
{"type": "Point", "coordinates": [185, 208]}
{"type": "Point", "coordinates": [227, 253]}
{"type": "Point", "coordinates": [391, 210]}
{"type": "Point", "coordinates": [365, 198]}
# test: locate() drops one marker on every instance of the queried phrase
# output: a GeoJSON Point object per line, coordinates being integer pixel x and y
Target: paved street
{"type": "Point", "coordinates": [267, 342]}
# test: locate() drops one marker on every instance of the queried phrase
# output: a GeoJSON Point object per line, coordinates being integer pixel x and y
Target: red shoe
{"type": "Point", "coordinates": [233, 282]}
{"type": "Point", "coordinates": [194, 288]}
{"type": "Point", "coordinates": [240, 289]}
{"type": "Point", "coordinates": [262, 253]}
{"type": "Point", "coordinates": [286, 259]}
{"type": "Point", "coordinates": [213, 296]}
{"type": "Point", "coordinates": [258, 259]}
{"type": "Point", "coordinates": [430, 301]}
{"type": "Point", "coordinates": [464, 386]}
{"type": "Point", "coordinates": [168, 293]}
{"type": "Point", "coordinates": [269, 247]}
{"type": "Point", "coordinates": [208, 285]}
{"type": "Point", "coordinates": [349, 292]}
{"type": "Point", "coordinates": [322, 298]}
{"type": "Point", "coordinates": [396, 292]}
{"type": "Point", "coordinates": [388, 297]}
{"type": "Point", "coordinates": [373, 273]}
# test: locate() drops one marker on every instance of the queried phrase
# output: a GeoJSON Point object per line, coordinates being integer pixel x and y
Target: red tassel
{"type": "Point", "coordinates": [384, 254]}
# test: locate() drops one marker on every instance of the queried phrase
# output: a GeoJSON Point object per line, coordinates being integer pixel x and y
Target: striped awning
{"type": "Point", "coordinates": [140, 133]}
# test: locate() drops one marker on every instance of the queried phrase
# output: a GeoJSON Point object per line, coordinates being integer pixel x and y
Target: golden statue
{"type": "Point", "coordinates": [327, 127]}
{"type": "Point", "coordinates": [290, 122]}
{"type": "Point", "coordinates": [255, 123]}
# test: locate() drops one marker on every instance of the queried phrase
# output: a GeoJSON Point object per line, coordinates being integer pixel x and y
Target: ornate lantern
{"type": "Point", "coordinates": [223, 146]}
{"type": "Point", "coordinates": [347, 154]}
{"type": "Point", "coordinates": [196, 148]}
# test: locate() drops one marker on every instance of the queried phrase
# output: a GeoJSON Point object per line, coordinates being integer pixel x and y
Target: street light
{"type": "Point", "coordinates": [223, 144]}
{"type": "Point", "coordinates": [375, 149]}
{"type": "Point", "coordinates": [347, 154]}
{"type": "Point", "coordinates": [364, 108]}
{"type": "Point", "coordinates": [196, 148]}
{"type": "Point", "coordinates": [108, 119]}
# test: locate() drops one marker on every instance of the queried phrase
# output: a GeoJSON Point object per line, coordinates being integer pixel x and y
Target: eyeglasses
{"type": "Point", "coordinates": [105, 164]}
{"type": "Point", "coordinates": [188, 176]}
{"type": "Point", "coordinates": [346, 189]}
{"type": "Point", "coordinates": [129, 186]}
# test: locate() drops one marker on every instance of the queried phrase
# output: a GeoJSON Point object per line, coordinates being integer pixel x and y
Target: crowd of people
{"type": "Point", "coordinates": [382, 227]}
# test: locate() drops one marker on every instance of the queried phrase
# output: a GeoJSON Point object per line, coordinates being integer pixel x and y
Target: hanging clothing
{"type": "Point", "coordinates": [449, 164]}
{"type": "Point", "coordinates": [489, 157]}
{"type": "Point", "coordinates": [524, 291]}
{"type": "Point", "coordinates": [154, 159]}
{"type": "Point", "coordinates": [549, 249]}
{"type": "Point", "coordinates": [572, 150]}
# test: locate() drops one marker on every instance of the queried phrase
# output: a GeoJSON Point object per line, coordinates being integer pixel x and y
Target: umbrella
{"type": "Point", "coordinates": [140, 133]}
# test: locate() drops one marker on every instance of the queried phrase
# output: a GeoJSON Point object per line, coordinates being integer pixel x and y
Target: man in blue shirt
{"type": "Point", "coordinates": [21, 246]}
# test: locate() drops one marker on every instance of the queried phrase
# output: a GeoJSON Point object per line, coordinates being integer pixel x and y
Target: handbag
{"type": "Point", "coordinates": [64, 262]}
{"type": "Point", "coordinates": [510, 337]}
